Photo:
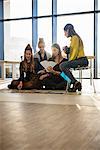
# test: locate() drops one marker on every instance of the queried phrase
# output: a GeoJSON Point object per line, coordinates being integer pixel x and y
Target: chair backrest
{"type": "Point", "coordinates": [91, 60]}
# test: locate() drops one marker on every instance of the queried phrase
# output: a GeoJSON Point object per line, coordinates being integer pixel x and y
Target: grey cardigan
{"type": "Point", "coordinates": [36, 55]}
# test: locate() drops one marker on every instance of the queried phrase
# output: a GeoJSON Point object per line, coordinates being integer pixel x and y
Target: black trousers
{"type": "Point", "coordinates": [53, 83]}
{"type": "Point", "coordinates": [65, 67]}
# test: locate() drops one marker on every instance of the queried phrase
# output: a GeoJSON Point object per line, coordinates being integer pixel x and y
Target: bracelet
{"type": "Point", "coordinates": [48, 75]}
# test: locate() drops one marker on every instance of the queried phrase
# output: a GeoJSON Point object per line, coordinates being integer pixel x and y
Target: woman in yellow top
{"type": "Point", "coordinates": [76, 57]}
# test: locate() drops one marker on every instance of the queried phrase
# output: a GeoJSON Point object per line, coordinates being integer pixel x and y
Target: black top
{"type": "Point", "coordinates": [27, 75]}
{"type": "Point", "coordinates": [41, 58]}
{"type": "Point", "coordinates": [57, 78]}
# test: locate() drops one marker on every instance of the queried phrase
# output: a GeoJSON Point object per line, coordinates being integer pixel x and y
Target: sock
{"type": "Point", "coordinates": [64, 76]}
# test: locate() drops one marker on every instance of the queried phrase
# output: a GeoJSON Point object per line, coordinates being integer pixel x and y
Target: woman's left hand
{"type": "Point", "coordinates": [50, 69]}
{"type": "Point", "coordinates": [42, 71]}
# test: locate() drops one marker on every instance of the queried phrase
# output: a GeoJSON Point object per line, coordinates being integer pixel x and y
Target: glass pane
{"type": "Point", "coordinates": [98, 46]}
{"type": "Point", "coordinates": [9, 71]}
{"type": "Point", "coordinates": [70, 6]}
{"type": "Point", "coordinates": [44, 7]}
{"type": "Point", "coordinates": [98, 4]}
{"type": "Point", "coordinates": [17, 8]}
{"type": "Point", "coordinates": [45, 31]}
{"type": "Point", "coordinates": [17, 34]}
{"type": "Point", "coordinates": [85, 30]}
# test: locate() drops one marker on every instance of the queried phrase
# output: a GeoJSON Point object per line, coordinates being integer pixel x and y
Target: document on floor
{"type": "Point", "coordinates": [47, 64]}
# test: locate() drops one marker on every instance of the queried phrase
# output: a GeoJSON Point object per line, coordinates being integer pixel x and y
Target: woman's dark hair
{"type": "Point", "coordinates": [28, 47]}
{"type": "Point", "coordinates": [25, 64]}
{"type": "Point", "coordinates": [71, 31]}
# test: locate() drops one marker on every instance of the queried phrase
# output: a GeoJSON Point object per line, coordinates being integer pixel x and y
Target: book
{"type": "Point", "coordinates": [47, 64]}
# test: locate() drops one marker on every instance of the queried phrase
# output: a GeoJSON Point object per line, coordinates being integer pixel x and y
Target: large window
{"type": "Point", "coordinates": [17, 34]}
{"type": "Point", "coordinates": [17, 8]}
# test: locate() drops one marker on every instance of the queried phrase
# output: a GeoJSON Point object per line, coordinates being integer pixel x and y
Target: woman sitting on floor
{"type": "Point", "coordinates": [28, 69]}
{"type": "Point", "coordinates": [52, 79]}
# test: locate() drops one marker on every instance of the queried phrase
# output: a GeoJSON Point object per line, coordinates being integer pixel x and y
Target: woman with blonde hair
{"type": "Point", "coordinates": [42, 54]}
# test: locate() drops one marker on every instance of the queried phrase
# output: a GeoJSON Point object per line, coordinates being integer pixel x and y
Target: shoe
{"type": "Point", "coordinates": [77, 86]}
{"type": "Point", "coordinates": [71, 90]}
{"type": "Point", "coordinates": [9, 86]}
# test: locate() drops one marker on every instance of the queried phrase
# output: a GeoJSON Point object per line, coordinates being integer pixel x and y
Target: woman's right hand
{"type": "Point", "coordinates": [20, 85]}
{"type": "Point", "coordinates": [50, 69]}
{"type": "Point", "coordinates": [43, 76]}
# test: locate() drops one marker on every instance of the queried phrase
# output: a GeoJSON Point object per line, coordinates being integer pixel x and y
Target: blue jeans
{"type": "Point", "coordinates": [65, 67]}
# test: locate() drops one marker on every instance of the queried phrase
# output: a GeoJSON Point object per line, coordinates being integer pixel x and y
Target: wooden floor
{"type": "Point", "coordinates": [48, 127]}
{"type": "Point", "coordinates": [39, 121]}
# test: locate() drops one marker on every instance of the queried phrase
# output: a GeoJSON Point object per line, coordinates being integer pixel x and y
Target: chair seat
{"type": "Point", "coordinates": [81, 68]}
